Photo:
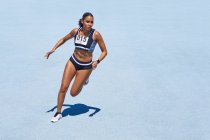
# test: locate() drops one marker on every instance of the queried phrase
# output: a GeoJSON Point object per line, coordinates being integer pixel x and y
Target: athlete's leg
{"type": "Point", "coordinates": [68, 75]}
{"type": "Point", "coordinates": [80, 78]}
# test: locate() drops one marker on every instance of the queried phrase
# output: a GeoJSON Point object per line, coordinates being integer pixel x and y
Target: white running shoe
{"type": "Point", "coordinates": [56, 117]}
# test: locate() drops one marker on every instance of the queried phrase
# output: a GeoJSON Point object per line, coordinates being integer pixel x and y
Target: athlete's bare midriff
{"type": "Point", "coordinates": [83, 55]}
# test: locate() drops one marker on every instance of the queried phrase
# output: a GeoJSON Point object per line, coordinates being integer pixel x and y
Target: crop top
{"type": "Point", "coordinates": [85, 42]}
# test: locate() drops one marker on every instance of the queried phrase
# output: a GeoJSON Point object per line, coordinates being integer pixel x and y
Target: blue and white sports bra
{"type": "Point", "coordinates": [85, 42]}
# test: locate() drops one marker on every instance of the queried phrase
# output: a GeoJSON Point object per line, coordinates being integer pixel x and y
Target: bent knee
{"type": "Point", "coordinates": [74, 92]}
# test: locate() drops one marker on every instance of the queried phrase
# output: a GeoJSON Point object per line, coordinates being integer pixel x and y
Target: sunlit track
{"type": "Point", "coordinates": [153, 85]}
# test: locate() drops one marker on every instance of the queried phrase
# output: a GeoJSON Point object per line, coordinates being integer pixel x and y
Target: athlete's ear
{"type": "Point", "coordinates": [81, 21]}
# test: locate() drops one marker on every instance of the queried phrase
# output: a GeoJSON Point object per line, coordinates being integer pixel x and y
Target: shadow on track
{"type": "Point", "coordinates": [76, 109]}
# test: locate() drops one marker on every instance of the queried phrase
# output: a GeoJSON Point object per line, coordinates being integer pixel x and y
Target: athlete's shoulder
{"type": "Point", "coordinates": [97, 35]}
{"type": "Point", "coordinates": [74, 30]}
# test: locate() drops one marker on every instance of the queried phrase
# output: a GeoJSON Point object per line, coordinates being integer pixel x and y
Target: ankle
{"type": "Point", "coordinates": [57, 113]}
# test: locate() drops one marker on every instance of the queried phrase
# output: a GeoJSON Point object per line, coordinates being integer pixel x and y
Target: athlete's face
{"type": "Point", "coordinates": [88, 23]}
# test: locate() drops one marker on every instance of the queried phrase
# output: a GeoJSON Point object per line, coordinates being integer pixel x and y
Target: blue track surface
{"type": "Point", "coordinates": [153, 85]}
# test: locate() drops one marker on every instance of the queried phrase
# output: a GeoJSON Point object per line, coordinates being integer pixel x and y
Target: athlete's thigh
{"type": "Point", "coordinates": [69, 73]}
{"type": "Point", "coordinates": [80, 78]}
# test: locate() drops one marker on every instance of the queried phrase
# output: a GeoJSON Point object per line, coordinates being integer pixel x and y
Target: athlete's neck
{"type": "Point", "coordinates": [85, 31]}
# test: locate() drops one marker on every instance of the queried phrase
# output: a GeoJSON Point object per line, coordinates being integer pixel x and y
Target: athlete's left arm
{"type": "Point", "coordinates": [102, 45]}
{"type": "Point", "coordinates": [99, 39]}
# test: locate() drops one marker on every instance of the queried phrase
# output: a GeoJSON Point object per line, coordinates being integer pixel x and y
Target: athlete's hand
{"type": "Point", "coordinates": [94, 65]}
{"type": "Point", "coordinates": [49, 53]}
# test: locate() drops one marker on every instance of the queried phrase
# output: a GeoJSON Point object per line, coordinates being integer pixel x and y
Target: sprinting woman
{"type": "Point", "coordinates": [80, 64]}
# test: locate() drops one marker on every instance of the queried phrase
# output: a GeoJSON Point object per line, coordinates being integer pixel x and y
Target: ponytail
{"type": "Point", "coordinates": [80, 23]}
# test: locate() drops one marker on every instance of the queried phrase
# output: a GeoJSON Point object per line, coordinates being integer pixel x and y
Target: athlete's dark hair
{"type": "Point", "coordinates": [83, 17]}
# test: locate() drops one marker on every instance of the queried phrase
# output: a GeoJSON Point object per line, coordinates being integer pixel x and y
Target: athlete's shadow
{"type": "Point", "coordinates": [76, 109]}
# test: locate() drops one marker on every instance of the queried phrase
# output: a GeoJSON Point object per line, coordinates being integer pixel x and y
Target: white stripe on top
{"type": "Point", "coordinates": [82, 48]}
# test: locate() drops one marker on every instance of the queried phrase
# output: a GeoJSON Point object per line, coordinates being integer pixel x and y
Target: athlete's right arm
{"type": "Point", "coordinates": [62, 41]}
